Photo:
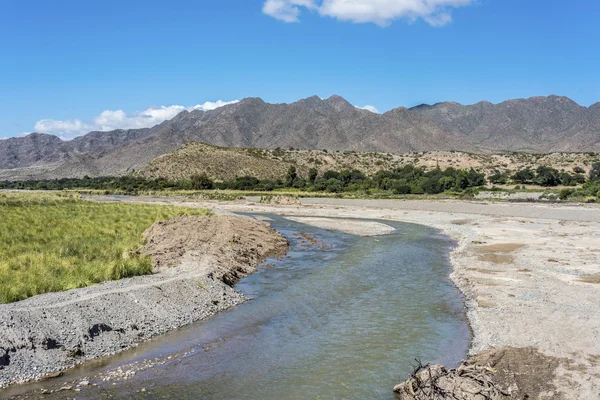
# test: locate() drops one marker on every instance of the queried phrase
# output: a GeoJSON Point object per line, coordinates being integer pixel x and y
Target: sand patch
{"type": "Point", "coordinates": [462, 222]}
{"type": "Point", "coordinates": [500, 248]}
{"type": "Point", "coordinates": [489, 253]}
{"type": "Point", "coordinates": [591, 279]}
{"type": "Point", "coordinates": [497, 258]}
{"type": "Point", "coordinates": [352, 226]}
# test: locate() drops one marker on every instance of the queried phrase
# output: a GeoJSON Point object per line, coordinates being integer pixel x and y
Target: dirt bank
{"type": "Point", "coordinates": [197, 260]}
{"type": "Point", "coordinates": [529, 274]}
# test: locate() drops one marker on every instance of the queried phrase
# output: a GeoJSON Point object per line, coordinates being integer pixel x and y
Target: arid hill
{"type": "Point", "coordinates": [220, 163]}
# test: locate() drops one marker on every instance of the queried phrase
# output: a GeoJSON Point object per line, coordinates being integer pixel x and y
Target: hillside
{"type": "Point", "coordinates": [536, 125]}
{"type": "Point", "coordinates": [228, 163]}
{"type": "Point", "coordinates": [217, 163]}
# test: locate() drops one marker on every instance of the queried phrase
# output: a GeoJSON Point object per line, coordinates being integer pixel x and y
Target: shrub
{"type": "Point", "coordinates": [312, 175]}
{"type": "Point", "coordinates": [546, 176]}
{"type": "Point", "coordinates": [400, 188]}
{"type": "Point", "coordinates": [565, 194]}
{"type": "Point", "coordinates": [523, 176]}
{"type": "Point", "coordinates": [595, 172]}
{"type": "Point", "coordinates": [201, 182]}
{"type": "Point", "coordinates": [334, 186]}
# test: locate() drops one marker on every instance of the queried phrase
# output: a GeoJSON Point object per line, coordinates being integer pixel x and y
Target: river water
{"type": "Point", "coordinates": [342, 318]}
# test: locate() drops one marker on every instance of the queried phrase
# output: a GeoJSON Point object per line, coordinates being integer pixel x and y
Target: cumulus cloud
{"type": "Point", "coordinates": [380, 12]}
{"type": "Point", "coordinates": [57, 127]}
{"type": "Point", "coordinates": [373, 109]}
{"type": "Point", "coordinates": [109, 120]}
{"type": "Point", "coordinates": [287, 10]}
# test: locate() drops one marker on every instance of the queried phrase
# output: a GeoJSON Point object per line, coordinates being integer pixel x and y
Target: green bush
{"type": "Point", "coordinates": [401, 188]}
{"type": "Point", "coordinates": [565, 194]}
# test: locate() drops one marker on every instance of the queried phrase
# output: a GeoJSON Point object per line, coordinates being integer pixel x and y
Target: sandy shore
{"type": "Point", "coordinates": [352, 226]}
{"type": "Point", "coordinates": [529, 274]}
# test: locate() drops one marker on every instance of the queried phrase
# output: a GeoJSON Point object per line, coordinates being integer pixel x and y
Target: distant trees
{"type": "Point", "coordinates": [546, 176]}
{"type": "Point", "coordinates": [201, 182]}
{"type": "Point", "coordinates": [595, 172]}
{"type": "Point", "coordinates": [291, 176]}
{"type": "Point", "coordinates": [523, 176]}
{"type": "Point", "coordinates": [404, 180]}
{"type": "Point", "coordinates": [498, 178]}
{"type": "Point", "coordinates": [313, 173]}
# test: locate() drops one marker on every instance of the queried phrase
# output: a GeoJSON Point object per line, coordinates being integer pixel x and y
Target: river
{"type": "Point", "coordinates": [340, 317]}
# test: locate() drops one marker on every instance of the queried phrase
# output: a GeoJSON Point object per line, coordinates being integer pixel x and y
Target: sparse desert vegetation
{"type": "Point", "coordinates": [51, 242]}
{"type": "Point", "coordinates": [223, 163]}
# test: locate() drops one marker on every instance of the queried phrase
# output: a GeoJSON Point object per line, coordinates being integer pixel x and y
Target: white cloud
{"type": "Point", "coordinates": [74, 127]}
{"type": "Point", "coordinates": [212, 105]}
{"type": "Point", "coordinates": [109, 120]}
{"type": "Point", "coordinates": [373, 109]}
{"type": "Point", "coordinates": [380, 12]}
{"type": "Point", "coordinates": [286, 10]}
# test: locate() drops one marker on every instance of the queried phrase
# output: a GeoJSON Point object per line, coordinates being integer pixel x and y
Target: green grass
{"type": "Point", "coordinates": [52, 242]}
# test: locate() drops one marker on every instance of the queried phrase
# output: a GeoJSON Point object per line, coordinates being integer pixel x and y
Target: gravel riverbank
{"type": "Point", "coordinates": [198, 259]}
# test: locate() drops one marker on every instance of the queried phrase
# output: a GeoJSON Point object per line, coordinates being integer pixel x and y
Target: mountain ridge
{"type": "Point", "coordinates": [540, 124]}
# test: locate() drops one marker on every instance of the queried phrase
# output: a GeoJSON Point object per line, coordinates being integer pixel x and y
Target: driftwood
{"type": "Point", "coordinates": [467, 382]}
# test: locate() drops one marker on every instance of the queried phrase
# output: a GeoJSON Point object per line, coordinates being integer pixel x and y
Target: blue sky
{"type": "Point", "coordinates": [67, 62]}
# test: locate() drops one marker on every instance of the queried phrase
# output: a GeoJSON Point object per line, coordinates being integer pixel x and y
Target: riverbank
{"type": "Point", "coordinates": [528, 273]}
{"type": "Point", "coordinates": [197, 260]}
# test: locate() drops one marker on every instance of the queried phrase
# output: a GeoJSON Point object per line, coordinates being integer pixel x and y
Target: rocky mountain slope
{"type": "Point", "coordinates": [538, 124]}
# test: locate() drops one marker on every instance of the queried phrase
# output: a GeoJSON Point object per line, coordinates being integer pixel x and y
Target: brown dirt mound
{"type": "Point", "coordinates": [506, 373]}
{"type": "Point", "coordinates": [190, 242]}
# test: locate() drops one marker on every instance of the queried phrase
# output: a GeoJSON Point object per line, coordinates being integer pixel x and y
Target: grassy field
{"type": "Point", "coordinates": [52, 242]}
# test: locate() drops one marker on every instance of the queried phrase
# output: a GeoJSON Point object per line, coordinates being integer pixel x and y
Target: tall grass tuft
{"type": "Point", "coordinates": [53, 242]}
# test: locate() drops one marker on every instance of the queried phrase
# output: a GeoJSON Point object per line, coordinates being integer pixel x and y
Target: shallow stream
{"type": "Point", "coordinates": [341, 317]}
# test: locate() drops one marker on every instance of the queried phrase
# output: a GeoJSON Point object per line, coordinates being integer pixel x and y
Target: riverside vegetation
{"type": "Point", "coordinates": [405, 180]}
{"type": "Point", "coordinates": [51, 242]}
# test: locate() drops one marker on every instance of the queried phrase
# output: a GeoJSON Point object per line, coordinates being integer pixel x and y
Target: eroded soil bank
{"type": "Point", "coordinates": [197, 260]}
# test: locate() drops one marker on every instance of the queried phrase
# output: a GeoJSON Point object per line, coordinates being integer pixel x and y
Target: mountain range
{"type": "Point", "coordinates": [535, 125]}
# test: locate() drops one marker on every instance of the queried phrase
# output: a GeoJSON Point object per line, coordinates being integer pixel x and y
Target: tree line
{"type": "Point", "coordinates": [542, 176]}
{"type": "Point", "coordinates": [405, 180]}
{"type": "Point", "coordinates": [408, 179]}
